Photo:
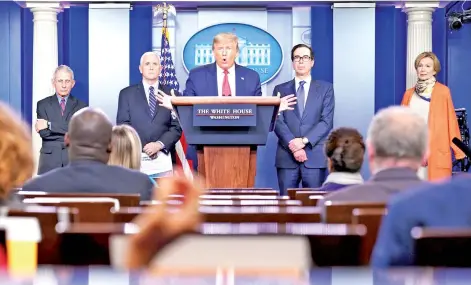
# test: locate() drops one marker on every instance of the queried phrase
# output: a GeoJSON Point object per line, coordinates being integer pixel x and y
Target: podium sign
{"type": "Point", "coordinates": [226, 132]}
{"type": "Point", "coordinates": [229, 115]}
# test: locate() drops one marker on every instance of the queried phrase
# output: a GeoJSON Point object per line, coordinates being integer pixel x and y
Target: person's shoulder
{"type": "Point", "coordinates": [201, 69]}
{"type": "Point", "coordinates": [322, 82]}
{"type": "Point", "coordinates": [45, 100]}
{"type": "Point", "coordinates": [129, 89]}
{"type": "Point", "coordinates": [80, 102]}
{"type": "Point", "coordinates": [284, 84]}
{"type": "Point", "coordinates": [442, 88]}
{"type": "Point", "coordinates": [37, 183]}
{"type": "Point", "coordinates": [247, 70]}
{"type": "Point", "coordinates": [127, 173]}
{"type": "Point", "coordinates": [347, 193]}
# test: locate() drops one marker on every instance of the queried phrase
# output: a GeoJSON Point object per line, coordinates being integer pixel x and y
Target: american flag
{"type": "Point", "coordinates": [168, 78]}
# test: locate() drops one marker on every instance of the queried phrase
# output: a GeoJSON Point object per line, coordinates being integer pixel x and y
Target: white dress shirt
{"type": "Point", "coordinates": [307, 85]}
{"type": "Point", "coordinates": [231, 76]}
{"type": "Point", "coordinates": [147, 86]}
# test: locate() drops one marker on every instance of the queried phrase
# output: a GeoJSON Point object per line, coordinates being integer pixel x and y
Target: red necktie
{"type": "Point", "coordinates": [226, 88]}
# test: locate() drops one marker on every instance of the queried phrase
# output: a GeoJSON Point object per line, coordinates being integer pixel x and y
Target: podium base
{"type": "Point", "coordinates": [228, 166]}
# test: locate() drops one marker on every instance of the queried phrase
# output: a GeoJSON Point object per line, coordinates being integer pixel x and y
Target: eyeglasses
{"type": "Point", "coordinates": [304, 58]}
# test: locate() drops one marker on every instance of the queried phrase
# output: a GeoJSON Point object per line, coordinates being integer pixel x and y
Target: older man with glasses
{"type": "Point", "coordinates": [300, 155]}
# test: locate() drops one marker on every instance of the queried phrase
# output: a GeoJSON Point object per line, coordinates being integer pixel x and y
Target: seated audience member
{"type": "Point", "coordinates": [89, 146]}
{"type": "Point", "coordinates": [126, 148]}
{"type": "Point", "coordinates": [344, 150]}
{"type": "Point", "coordinates": [160, 226]}
{"type": "Point", "coordinates": [396, 146]}
{"type": "Point", "coordinates": [16, 155]}
{"type": "Point", "coordinates": [431, 205]}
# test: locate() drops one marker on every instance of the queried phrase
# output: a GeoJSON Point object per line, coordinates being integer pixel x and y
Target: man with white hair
{"type": "Point", "coordinates": [397, 145]}
{"type": "Point", "coordinates": [139, 108]}
{"type": "Point", "coordinates": [53, 115]}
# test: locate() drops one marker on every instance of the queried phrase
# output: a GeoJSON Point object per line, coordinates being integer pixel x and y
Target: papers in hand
{"type": "Point", "coordinates": [161, 163]}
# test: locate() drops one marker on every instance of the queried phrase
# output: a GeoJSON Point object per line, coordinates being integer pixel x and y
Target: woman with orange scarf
{"type": "Point", "coordinates": [432, 100]}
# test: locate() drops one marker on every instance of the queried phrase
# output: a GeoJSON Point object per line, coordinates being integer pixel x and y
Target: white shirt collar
{"type": "Point", "coordinates": [231, 69]}
{"type": "Point", "coordinates": [147, 85]}
{"type": "Point", "coordinates": [308, 80]}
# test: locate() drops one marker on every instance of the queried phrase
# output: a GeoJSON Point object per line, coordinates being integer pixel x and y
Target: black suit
{"type": "Point", "coordinates": [88, 176]}
{"type": "Point", "coordinates": [53, 152]}
{"type": "Point", "coordinates": [133, 110]}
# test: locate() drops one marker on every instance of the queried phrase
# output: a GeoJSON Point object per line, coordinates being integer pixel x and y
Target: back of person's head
{"type": "Point", "coordinates": [345, 150]}
{"type": "Point", "coordinates": [16, 153]}
{"type": "Point", "coordinates": [126, 147]}
{"type": "Point", "coordinates": [89, 135]}
{"type": "Point", "coordinates": [397, 136]}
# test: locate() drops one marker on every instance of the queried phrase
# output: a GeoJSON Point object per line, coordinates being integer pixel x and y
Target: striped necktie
{"type": "Point", "coordinates": [152, 101]}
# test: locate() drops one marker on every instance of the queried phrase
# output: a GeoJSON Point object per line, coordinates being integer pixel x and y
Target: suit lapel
{"type": "Point", "coordinates": [142, 99]}
{"type": "Point", "coordinates": [55, 106]}
{"type": "Point", "coordinates": [69, 107]}
{"type": "Point", "coordinates": [292, 90]}
{"type": "Point", "coordinates": [213, 80]}
{"type": "Point", "coordinates": [239, 81]}
{"type": "Point", "coordinates": [311, 97]}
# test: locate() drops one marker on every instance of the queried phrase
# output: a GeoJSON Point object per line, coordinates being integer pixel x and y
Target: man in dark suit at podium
{"type": "Point", "coordinates": [224, 77]}
{"type": "Point", "coordinates": [302, 132]}
{"type": "Point", "coordinates": [138, 107]}
{"type": "Point", "coordinates": [53, 115]}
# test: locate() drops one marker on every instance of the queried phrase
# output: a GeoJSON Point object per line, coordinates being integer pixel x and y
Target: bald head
{"type": "Point", "coordinates": [150, 67]}
{"type": "Point", "coordinates": [89, 135]}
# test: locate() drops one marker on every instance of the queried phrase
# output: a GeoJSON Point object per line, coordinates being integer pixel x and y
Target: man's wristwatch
{"type": "Point", "coordinates": [48, 125]}
{"type": "Point", "coordinates": [305, 140]}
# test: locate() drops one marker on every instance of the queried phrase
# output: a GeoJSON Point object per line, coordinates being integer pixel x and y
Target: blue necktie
{"type": "Point", "coordinates": [152, 101]}
{"type": "Point", "coordinates": [301, 97]}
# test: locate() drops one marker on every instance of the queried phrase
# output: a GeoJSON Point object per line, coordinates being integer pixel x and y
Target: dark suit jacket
{"type": "Point", "coordinates": [380, 188]}
{"type": "Point", "coordinates": [202, 81]}
{"type": "Point", "coordinates": [88, 176]}
{"type": "Point", "coordinates": [315, 124]}
{"type": "Point", "coordinates": [133, 110]}
{"type": "Point", "coordinates": [433, 205]}
{"type": "Point", "coordinates": [53, 152]}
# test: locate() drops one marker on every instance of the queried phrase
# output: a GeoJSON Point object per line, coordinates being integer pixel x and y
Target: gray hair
{"type": "Point", "coordinates": [398, 132]}
{"type": "Point", "coordinates": [63, 68]}
{"type": "Point", "coordinates": [148, 53]}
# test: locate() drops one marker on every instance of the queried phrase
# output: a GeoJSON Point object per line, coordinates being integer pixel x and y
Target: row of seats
{"type": "Point", "coordinates": [77, 227]}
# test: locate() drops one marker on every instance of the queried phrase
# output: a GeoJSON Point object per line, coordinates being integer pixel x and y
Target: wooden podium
{"type": "Point", "coordinates": [226, 132]}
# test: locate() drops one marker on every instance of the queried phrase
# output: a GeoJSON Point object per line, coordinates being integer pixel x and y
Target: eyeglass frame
{"type": "Point", "coordinates": [297, 58]}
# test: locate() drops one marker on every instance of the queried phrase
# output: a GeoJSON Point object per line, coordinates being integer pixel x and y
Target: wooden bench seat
{"type": "Point", "coordinates": [89, 209]}
{"type": "Point", "coordinates": [371, 219]}
{"type": "Point", "coordinates": [330, 245]}
{"type": "Point", "coordinates": [340, 212]}
{"type": "Point", "coordinates": [125, 200]}
{"type": "Point", "coordinates": [246, 214]}
{"type": "Point", "coordinates": [292, 192]}
{"type": "Point", "coordinates": [442, 247]}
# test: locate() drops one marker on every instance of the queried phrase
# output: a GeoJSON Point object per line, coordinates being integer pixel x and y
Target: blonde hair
{"type": "Point", "coordinates": [226, 36]}
{"type": "Point", "coordinates": [436, 63]}
{"type": "Point", "coordinates": [125, 148]}
{"type": "Point", "coordinates": [16, 151]}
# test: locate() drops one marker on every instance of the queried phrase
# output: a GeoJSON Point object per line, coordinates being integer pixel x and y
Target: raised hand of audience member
{"type": "Point", "coordinates": [163, 223]}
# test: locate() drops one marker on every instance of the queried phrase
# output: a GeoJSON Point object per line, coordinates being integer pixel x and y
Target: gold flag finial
{"type": "Point", "coordinates": [164, 9]}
